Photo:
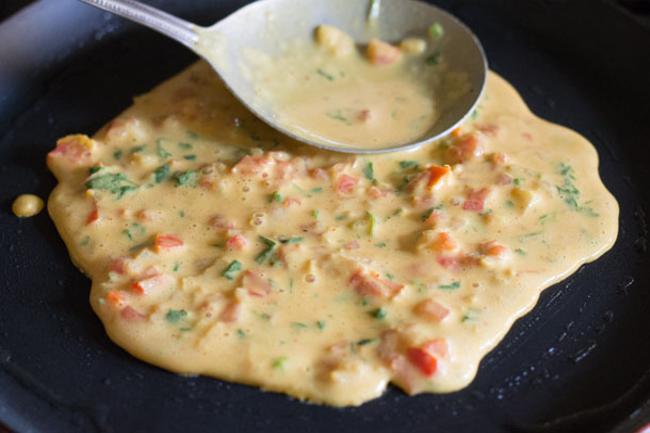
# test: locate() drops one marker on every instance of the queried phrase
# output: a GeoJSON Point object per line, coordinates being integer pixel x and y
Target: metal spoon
{"type": "Point", "coordinates": [264, 24]}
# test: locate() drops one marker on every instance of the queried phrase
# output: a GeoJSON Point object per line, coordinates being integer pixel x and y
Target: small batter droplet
{"type": "Point", "coordinates": [27, 205]}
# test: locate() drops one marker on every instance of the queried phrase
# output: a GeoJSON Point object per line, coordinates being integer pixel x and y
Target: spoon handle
{"type": "Point", "coordinates": [169, 25]}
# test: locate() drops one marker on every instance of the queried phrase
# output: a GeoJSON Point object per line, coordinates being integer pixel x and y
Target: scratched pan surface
{"type": "Point", "coordinates": [576, 363]}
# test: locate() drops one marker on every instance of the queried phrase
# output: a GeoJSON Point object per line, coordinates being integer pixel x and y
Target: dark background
{"type": "Point", "coordinates": [576, 366]}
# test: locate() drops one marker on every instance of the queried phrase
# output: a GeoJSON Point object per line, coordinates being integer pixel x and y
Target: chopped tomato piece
{"type": "Point", "coordinates": [151, 284]}
{"type": "Point", "coordinates": [346, 184]}
{"type": "Point", "coordinates": [443, 242]}
{"type": "Point", "coordinates": [436, 173]}
{"type": "Point", "coordinates": [463, 149]}
{"type": "Point", "coordinates": [365, 285]}
{"type": "Point", "coordinates": [497, 158]}
{"type": "Point", "coordinates": [370, 284]}
{"type": "Point", "coordinates": [115, 298]}
{"type": "Point", "coordinates": [454, 263]}
{"type": "Point", "coordinates": [119, 265]}
{"type": "Point", "coordinates": [375, 193]}
{"type": "Point", "coordinates": [148, 215]}
{"type": "Point", "coordinates": [364, 115]}
{"type": "Point", "coordinates": [492, 248]}
{"type": "Point", "coordinates": [352, 245]}
{"type": "Point", "coordinates": [489, 129]}
{"type": "Point", "coordinates": [132, 315]}
{"type": "Point", "coordinates": [423, 360]}
{"type": "Point", "coordinates": [256, 284]}
{"type": "Point", "coordinates": [382, 53]}
{"type": "Point", "coordinates": [429, 177]}
{"type": "Point", "coordinates": [249, 165]}
{"type": "Point", "coordinates": [432, 310]}
{"type": "Point", "coordinates": [476, 200]}
{"type": "Point", "coordinates": [230, 312]}
{"type": "Point", "coordinates": [503, 179]}
{"type": "Point", "coordinates": [449, 262]}
{"type": "Point", "coordinates": [236, 242]}
{"type": "Point", "coordinates": [166, 241]}
{"type": "Point", "coordinates": [319, 173]}
{"type": "Point", "coordinates": [93, 215]}
{"type": "Point", "coordinates": [221, 222]}
{"type": "Point", "coordinates": [437, 346]}
{"type": "Point", "coordinates": [291, 201]}
{"type": "Point", "coordinates": [75, 148]}
{"type": "Point", "coordinates": [457, 132]}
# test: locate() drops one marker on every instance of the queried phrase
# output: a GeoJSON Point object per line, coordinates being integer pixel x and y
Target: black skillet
{"type": "Point", "coordinates": [578, 363]}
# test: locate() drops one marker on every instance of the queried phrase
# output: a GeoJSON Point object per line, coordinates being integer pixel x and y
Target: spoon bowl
{"type": "Point", "coordinates": [266, 25]}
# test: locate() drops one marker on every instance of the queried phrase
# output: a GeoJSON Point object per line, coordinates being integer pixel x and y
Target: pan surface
{"type": "Point", "coordinates": [578, 362]}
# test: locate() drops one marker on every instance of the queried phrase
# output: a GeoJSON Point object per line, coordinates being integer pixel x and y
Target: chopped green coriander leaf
{"type": "Point", "coordinates": [127, 233]}
{"type": "Point", "coordinates": [185, 146]}
{"type": "Point", "coordinates": [292, 240]}
{"type": "Point", "coordinates": [279, 362]}
{"type": "Point", "coordinates": [276, 197]}
{"type": "Point", "coordinates": [365, 341]}
{"type": "Point", "coordinates": [338, 115]}
{"type": "Point", "coordinates": [317, 189]}
{"type": "Point", "coordinates": [470, 316]}
{"type": "Point", "coordinates": [298, 325]}
{"type": "Point", "coordinates": [320, 324]}
{"type": "Point", "coordinates": [520, 252]}
{"type": "Point", "coordinates": [94, 169]}
{"type": "Point", "coordinates": [517, 181]}
{"type": "Point", "coordinates": [136, 149]}
{"type": "Point", "coordinates": [116, 183]}
{"type": "Point", "coordinates": [189, 157]}
{"type": "Point", "coordinates": [426, 214]}
{"type": "Point", "coordinates": [374, 9]}
{"type": "Point", "coordinates": [322, 73]}
{"type": "Point", "coordinates": [436, 31]}
{"type": "Point", "coordinates": [433, 59]}
{"type": "Point", "coordinates": [408, 165]}
{"type": "Point", "coordinates": [452, 286]}
{"type": "Point", "coordinates": [570, 193]}
{"type": "Point", "coordinates": [379, 313]}
{"type": "Point", "coordinates": [241, 333]}
{"type": "Point", "coordinates": [267, 251]}
{"type": "Point", "coordinates": [160, 150]}
{"type": "Point", "coordinates": [369, 171]}
{"type": "Point", "coordinates": [232, 270]}
{"type": "Point", "coordinates": [315, 213]}
{"type": "Point", "coordinates": [372, 223]}
{"type": "Point", "coordinates": [176, 267]}
{"type": "Point", "coordinates": [174, 316]}
{"type": "Point", "coordinates": [117, 155]}
{"type": "Point", "coordinates": [186, 178]}
{"type": "Point", "coordinates": [161, 173]}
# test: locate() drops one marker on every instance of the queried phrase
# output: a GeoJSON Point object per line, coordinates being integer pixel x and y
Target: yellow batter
{"type": "Point", "coordinates": [217, 246]}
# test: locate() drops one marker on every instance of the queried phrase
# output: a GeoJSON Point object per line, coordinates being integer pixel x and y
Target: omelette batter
{"type": "Point", "coordinates": [218, 247]}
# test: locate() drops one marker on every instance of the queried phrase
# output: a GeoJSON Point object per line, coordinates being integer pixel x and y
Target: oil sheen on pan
{"type": "Point", "coordinates": [218, 247]}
